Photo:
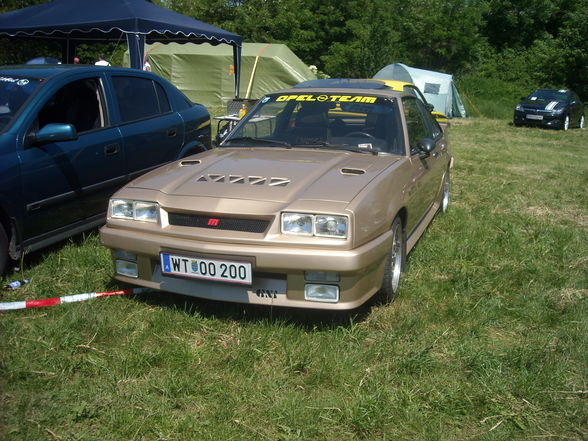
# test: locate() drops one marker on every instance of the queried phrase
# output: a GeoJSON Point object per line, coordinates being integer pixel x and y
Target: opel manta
{"type": "Point", "coordinates": [313, 200]}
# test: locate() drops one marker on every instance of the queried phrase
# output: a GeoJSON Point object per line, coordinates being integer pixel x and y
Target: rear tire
{"type": "Point", "coordinates": [581, 124]}
{"type": "Point", "coordinates": [3, 250]}
{"type": "Point", "coordinates": [394, 262]}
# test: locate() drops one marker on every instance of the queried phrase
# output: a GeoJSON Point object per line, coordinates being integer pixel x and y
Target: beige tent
{"type": "Point", "coordinates": [205, 73]}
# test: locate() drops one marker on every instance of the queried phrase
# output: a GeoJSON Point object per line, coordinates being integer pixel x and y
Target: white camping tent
{"type": "Point", "coordinates": [438, 88]}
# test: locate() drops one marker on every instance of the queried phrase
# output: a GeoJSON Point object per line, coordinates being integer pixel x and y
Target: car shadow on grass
{"type": "Point", "coordinates": [310, 319]}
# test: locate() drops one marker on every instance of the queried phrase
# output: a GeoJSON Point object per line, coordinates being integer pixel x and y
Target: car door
{"type": "Point", "coordinates": [427, 170]}
{"type": "Point", "coordinates": [152, 133]}
{"type": "Point", "coordinates": [66, 183]}
{"type": "Point", "coordinates": [576, 109]}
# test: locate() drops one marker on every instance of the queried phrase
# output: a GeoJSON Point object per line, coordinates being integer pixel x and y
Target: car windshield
{"type": "Point", "coordinates": [360, 123]}
{"type": "Point", "coordinates": [14, 92]}
{"type": "Point", "coordinates": [548, 95]}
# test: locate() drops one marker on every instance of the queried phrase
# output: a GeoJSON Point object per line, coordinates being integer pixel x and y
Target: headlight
{"type": "Point", "coordinates": [558, 111]}
{"type": "Point", "coordinates": [519, 107]}
{"type": "Point", "coordinates": [314, 225]}
{"type": "Point", "coordinates": [134, 210]}
{"type": "Point", "coordinates": [297, 223]}
{"type": "Point", "coordinates": [331, 226]}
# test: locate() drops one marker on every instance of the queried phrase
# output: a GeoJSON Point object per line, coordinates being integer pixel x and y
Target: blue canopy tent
{"type": "Point", "coordinates": [71, 22]}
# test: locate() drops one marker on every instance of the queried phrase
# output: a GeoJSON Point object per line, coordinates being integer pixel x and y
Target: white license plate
{"type": "Point", "coordinates": [208, 269]}
{"type": "Point", "coordinates": [537, 117]}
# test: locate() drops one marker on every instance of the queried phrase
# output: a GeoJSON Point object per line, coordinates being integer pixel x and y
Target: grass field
{"type": "Point", "coordinates": [487, 340]}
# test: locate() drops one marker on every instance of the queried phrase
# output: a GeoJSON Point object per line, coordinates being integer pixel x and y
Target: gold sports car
{"type": "Point", "coordinates": [313, 200]}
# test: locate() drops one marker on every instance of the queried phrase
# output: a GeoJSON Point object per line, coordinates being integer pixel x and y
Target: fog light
{"type": "Point", "coordinates": [321, 276]}
{"type": "Point", "coordinates": [321, 293]}
{"type": "Point", "coordinates": [126, 268]}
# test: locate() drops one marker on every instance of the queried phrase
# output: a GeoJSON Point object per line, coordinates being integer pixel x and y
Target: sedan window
{"type": "Point", "coordinates": [333, 121]}
{"type": "Point", "coordinates": [139, 98]}
{"type": "Point", "coordinates": [78, 103]}
{"type": "Point", "coordinates": [415, 121]}
{"type": "Point", "coordinates": [14, 92]}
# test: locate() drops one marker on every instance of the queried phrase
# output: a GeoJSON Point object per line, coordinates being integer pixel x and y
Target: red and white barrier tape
{"type": "Point", "coordinates": [8, 306]}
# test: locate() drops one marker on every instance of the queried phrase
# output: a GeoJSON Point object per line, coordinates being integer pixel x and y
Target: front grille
{"type": "Point", "coordinates": [218, 223]}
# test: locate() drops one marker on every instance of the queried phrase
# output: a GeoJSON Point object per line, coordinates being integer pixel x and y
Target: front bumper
{"type": "Point", "coordinates": [278, 271]}
{"type": "Point", "coordinates": [538, 119]}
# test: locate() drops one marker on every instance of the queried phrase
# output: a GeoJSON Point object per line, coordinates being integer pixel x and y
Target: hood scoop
{"type": "Point", "coordinates": [189, 162]}
{"type": "Point", "coordinates": [352, 171]}
{"type": "Point", "coordinates": [239, 179]}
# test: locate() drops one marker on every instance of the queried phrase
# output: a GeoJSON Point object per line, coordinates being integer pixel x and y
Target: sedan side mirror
{"type": "Point", "coordinates": [426, 146]}
{"type": "Point", "coordinates": [56, 132]}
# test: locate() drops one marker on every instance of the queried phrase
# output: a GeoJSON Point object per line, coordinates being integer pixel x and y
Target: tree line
{"type": "Point", "coordinates": [533, 43]}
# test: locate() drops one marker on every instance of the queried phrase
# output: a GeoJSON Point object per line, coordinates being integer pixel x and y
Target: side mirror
{"type": "Point", "coordinates": [430, 107]}
{"type": "Point", "coordinates": [426, 146]}
{"type": "Point", "coordinates": [56, 132]}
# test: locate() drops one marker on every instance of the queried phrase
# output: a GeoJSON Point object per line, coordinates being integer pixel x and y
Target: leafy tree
{"type": "Point", "coordinates": [368, 42]}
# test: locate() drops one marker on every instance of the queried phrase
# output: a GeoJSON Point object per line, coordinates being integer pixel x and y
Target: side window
{"type": "Point", "coordinates": [139, 98]}
{"type": "Point", "coordinates": [164, 106]}
{"type": "Point", "coordinates": [415, 122]}
{"type": "Point", "coordinates": [79, 103]}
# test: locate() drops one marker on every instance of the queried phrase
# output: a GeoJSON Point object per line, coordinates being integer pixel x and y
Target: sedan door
{"type": "Point", "coordinates": [427, 170]}
{"type": "Point", "coordinates": [152, 133]}
{"type": "Point", "coordinates": [67, 183]}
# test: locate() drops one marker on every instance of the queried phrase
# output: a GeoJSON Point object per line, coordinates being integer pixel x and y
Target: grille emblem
{"type": "Point", "coordinates": [213, 222]}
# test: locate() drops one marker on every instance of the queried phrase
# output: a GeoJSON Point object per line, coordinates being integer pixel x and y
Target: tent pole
{"type": "Point", "coordinates": [254, 69]}
{"type": "Point", "coordinates": [136, 45]}
{"type": "Point", "coordinates": [237, 64]}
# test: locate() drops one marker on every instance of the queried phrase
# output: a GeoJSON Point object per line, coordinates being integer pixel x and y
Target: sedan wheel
{"type": "Point", "coordinates": [582, 122]}
{"type": "Point", "coordinates": [394, 262]}
{"type": "Point", "coordinates": [566, 123]}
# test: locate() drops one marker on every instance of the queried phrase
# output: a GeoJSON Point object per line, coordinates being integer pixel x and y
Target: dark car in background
{"type": "Point", "coordinates": [70, 136]}
{"type": "Point", "coordinates": [558, 109]}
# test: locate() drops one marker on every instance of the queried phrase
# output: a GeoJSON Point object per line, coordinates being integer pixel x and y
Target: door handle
{"type": "Point", "coordinates": [172, 132]}
{"type": "Point", "coordinates": [111, 149]}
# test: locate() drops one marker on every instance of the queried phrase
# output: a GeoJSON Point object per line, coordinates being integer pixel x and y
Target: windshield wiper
{"type": "Point", "coordinates": [257, 140]}
{"type": "Point", "coordinates": [346, 147]}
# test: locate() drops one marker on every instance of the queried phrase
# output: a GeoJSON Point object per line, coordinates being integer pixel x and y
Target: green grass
{"type": "Point", "coordinates": [491, 97]}
{"type": "Point", "coordinates": [486, 341]}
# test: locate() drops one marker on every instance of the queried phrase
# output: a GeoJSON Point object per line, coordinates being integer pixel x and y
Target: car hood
{"type": "Point", "coordinates": [542, 104]}
{"type": "Point", "coordinates": [269, 174]}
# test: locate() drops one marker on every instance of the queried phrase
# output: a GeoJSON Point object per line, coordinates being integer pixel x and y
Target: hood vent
{"type": "Point", "coordinates": [352, 171]}
{"type": "Point", "coordinates": [190, 162]}
{"type": "Point", "coordinates": [238, 179]}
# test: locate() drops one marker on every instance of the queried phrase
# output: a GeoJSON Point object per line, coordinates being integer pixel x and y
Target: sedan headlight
{"type": "Point", "coordinates": [321, 225]}
{"type": "Point", "coordinates": [519, 107]}
{"type": "Point", "coordinates": [134, 210]}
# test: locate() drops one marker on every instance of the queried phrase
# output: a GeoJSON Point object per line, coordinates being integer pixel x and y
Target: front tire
{"type": "Point", "coordinates": [394, 262]}
{"type": "Point", "coordinates": [566, 123]}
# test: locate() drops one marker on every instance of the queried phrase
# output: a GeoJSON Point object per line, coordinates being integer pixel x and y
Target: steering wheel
{"type": "Point", "coordinates": [364, 134]}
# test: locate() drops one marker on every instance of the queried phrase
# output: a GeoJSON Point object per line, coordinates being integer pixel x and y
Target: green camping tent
{"type": "Point", "coordinates": [205, 72]}
{"type": "Point", "coordinates": [439, 88]}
